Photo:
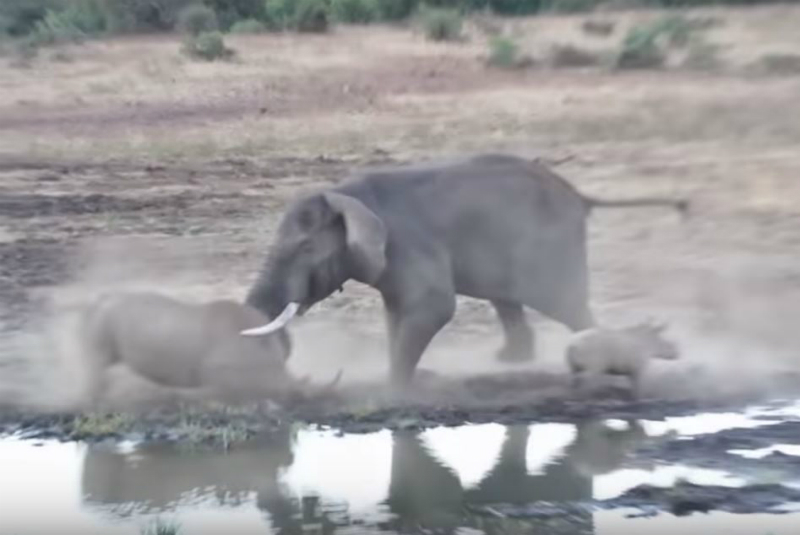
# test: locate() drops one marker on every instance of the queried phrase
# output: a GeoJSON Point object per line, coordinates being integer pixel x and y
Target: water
{"type": "Point", "coordinates": [311, 480]}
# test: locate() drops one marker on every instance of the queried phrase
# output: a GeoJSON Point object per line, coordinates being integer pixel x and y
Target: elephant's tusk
{"type": "Point", "coordinates": [283, 318]}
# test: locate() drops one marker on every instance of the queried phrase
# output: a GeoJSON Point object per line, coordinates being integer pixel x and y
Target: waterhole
{"type": "Point", "coordinates": [441, 480]}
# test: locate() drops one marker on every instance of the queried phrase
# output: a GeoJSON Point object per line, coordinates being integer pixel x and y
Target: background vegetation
{"type": "Point", "coordinates": [24, 17]}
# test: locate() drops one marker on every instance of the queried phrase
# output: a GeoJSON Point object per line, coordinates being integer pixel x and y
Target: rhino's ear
{"type": "Point", "coordinates": [366, 236]}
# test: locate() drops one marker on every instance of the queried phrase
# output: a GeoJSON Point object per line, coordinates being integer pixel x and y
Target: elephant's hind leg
{"type": "Point", "coordinates": [519, 336]}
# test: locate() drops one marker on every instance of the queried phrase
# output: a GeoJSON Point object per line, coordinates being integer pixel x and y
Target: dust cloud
{"type": "Point", "coordinates": [738, 336]}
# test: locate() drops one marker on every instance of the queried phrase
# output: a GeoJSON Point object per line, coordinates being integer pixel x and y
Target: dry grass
{"type": "Point", "coordinates": [338, 94]}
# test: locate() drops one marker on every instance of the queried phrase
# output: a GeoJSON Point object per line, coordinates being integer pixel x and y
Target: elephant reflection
{"type": "Point", "coordinates": [424, 493]}
{"type": "Point", "coordinates": [158, 476]}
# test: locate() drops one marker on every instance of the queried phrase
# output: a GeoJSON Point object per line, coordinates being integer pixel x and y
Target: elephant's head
{"type": "Point", "coordinates": [323, 240]}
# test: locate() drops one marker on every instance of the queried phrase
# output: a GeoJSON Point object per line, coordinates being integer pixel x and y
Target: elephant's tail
{"type": "Point", "coordinates": [682, 205]}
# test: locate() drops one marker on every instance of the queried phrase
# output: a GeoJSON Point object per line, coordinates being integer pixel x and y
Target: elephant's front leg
{"type": "Point", "coordinates": [519, 339]}
{"type": "Point", "coordinates": [411, 329]}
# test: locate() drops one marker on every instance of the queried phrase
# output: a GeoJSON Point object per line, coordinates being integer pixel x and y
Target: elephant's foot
{"type": "Point", "coordinates": [515, 354]}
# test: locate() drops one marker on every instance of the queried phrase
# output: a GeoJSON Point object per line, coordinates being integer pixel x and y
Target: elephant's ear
{"type": "Point", "coordinates": [366, 235]}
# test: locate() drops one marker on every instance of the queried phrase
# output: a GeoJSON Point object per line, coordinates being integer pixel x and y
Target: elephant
{"type": "Point", "coordinates": [194, 349]}
{"type": "Point", "coordinates": [490, 226]}
{"type": "Point", "coordinates": [424, 493]}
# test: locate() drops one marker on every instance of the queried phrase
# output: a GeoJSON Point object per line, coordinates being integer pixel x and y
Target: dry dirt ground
{"type": "Point", "coordinates": [123, 164]}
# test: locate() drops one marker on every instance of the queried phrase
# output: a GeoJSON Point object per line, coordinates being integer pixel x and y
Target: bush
{"type": "Point", "coordinates": [311, 16]}
{"type": "Point", "coordinates": [229, 12]}
{"type": "Point", "coordinates": [84, 16]}
{"type": "Point", "coordinates": [299, 15]}
{"type": "Point", "coordinates": [640, 49]}
{"type": "Point", "coordinates": [677, 29]}
{"type": "Point", "coordinates": [396, 9]}
{"type": "Point", "coordinates": [279, 14]}
{"type": "Point", "coordinates": [6, 23]}
{"type": "Point", "coordinates": [196, 19]}
{"type": "Point", "coordinates": [248, 26]}
{"type": "Point", "coordinates": [355, 11]}
{"type": "Point", "coordinates": [516, 7]}
{"type": "Point", "coordinates": [208, 46]}
{"type": "Point", "coordinates": [20, 16]}
{"type": "Point", "coordinates": [56, 28]}
{"type": "Point", "coordinates": [503, 52]}
{"type": "Point", "coordinates": [572, 6]}
{"type": "Point", "coordinates": [143, 15]}
{"type": "Point", "coordinates": [441, 24]}
{"type": "Point", "coordinates": [572, 56]}
{"type": "Point", "coordinates": [598, 27]}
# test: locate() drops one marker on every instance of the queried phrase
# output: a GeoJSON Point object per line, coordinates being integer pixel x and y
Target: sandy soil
{"type": "Point", "coordinates": [130, 166]}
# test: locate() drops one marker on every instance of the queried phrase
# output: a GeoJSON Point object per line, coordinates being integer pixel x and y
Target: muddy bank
{"type": "Point", "coordinates": [681, 499]}
{"type": "Point", "coordinates": [367, 410]}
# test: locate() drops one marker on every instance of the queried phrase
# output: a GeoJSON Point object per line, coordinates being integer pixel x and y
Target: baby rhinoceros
{"type": "Point", "coordinates": [601, 351]}
{"type": "Point", "coordinates": [194, 350]}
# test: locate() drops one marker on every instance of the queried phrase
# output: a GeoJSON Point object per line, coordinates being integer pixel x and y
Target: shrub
{"type": "Point", "coordinates": [87, 16]}
{"type": "Point", "coordinates": [248, 26]}
{"type": "Point", "coordinates": [196, 19]}
{"type": "Point", "coordinates": [208, 46]}
{"type": "Point", "coordinates": [598, 27]}
{"type": "Point", "coordinates": [55, 28]}
{"type": "Point", "coordinates": [229, 12]}
{"type": "Point", "coordinates": [311, 16]}
{"type": "Point", "coordinates": [441, 24]}
{"type": "Point", "coordinates": [6, 23]}
{"type": "Point", "coordinates": [515, 7]}
{"type": "Point", "coordinates": [355, 11]}
{"type": "Point", "coordinates": [143, 15]}
{"type": "Point", "coordinates": [396, 9]}
{"type": "Point", "coordinates": [640, 50]}
{"type": "Point", "coordinates": [572, 6]}
{"type": "Point", "coordinates": [677, 29]}
{"type": "Point", "coordinates": [20, 16]}
{"type": "Point", "coordinates": [572, 56]}
{"type": "Point", "coordinates": [299, 15]}
{"type": "Point", "coordinates": [503, 52]}
{"type": "Point", "coordinates": [279, 14]}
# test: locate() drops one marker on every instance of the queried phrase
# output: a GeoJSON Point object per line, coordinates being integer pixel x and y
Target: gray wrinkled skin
{"type": "Point", "coordinates": [194, 348]}
{"type": "Point", "coordinates": [491, 226]}
{"type": "Point", "coordinates": [625, 352]}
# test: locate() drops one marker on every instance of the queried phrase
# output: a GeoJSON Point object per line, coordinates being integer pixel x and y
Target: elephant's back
{"type": "Point", "coordinates": [492, 188]}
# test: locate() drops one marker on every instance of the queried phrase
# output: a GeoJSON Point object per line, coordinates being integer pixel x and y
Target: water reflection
{"type": "Point", "coordinates": [405, 480]}
{"type": "Point", "coordinates": [295, 481]}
